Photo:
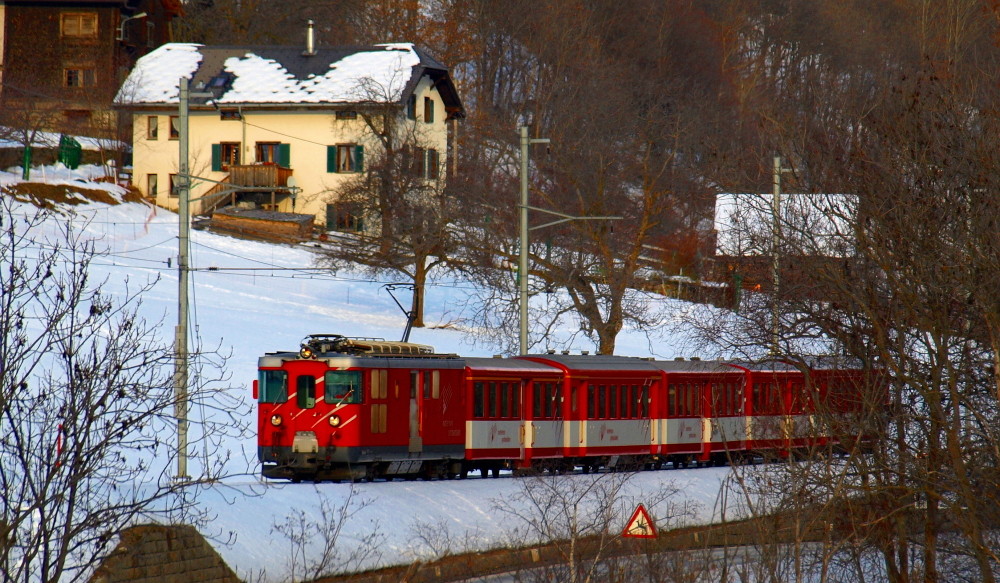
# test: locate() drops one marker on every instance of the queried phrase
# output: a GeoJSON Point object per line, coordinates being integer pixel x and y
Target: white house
{"type": "Point", "coordinates": [280, 112]}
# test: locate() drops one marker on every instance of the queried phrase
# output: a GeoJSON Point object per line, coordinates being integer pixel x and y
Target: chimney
{"type": "Point", "coordinates": [310, 40]}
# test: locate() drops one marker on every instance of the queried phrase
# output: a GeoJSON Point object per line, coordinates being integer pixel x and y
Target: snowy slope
{"type": "Point", "coordinates": [252, 312]}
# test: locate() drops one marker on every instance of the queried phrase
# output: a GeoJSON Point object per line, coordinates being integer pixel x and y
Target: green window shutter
{"type": "Point", "coordinates": [331, 158]}
{"type": "Point", "coordinates": [359, 158]}
{"type": "Point", "coordinates": [216, 157]}
{"type": "Point", "coordinates": [285, 155]}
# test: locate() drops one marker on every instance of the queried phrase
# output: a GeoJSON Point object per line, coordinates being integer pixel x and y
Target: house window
{"type": "Point", "coordinates": [428, 110]}
{"type": "Point", "coordinates": [79, 77]}
{"type": "Point", "coordinates": [152, 185]}
{"type": "Point", "coordinates": [425, 163]}
{"type": "Point", "coordinates": [345, 158]}
{"type": "Point", "coordinates": [267, 152]}
{"type": "Point", "coordinates": [224, 155]}
{"type": "Point", "coordinates": [347, 115]}
{"type": "Point", "coordinates": [152, 127]}
{"type": "Point", "coordinates": [432, 165]}
{"type": "Point", "coordinates": [175, 127]}
{"type": "Point", "coordinates": [78, 24]}
{"type": "Point", "coordinates": [411, 107]}
{"type": "Point", "coordinates": [346, 217]}
{"type": "Point", "coordinates": [173, 186]}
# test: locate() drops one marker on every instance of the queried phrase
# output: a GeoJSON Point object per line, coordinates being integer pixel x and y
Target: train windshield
{"type": "Point", "coordinates": [273, 386]}
{"type": "Point", "coordinates": [342, 386]}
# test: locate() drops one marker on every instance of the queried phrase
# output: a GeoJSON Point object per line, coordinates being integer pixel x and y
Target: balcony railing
{"type": "Point", "coordinates": [267, 175]}
{"type": "Point", "coordinates": [250, 175]}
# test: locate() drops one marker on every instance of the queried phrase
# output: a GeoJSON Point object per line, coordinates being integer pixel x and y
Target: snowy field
{"type": "Point", "coordinates": [249, 313]}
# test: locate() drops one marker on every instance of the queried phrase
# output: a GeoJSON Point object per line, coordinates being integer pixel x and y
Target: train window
{"type": "Point", "coordinates": [636, 406]}
{"type": "Point", "coordinates": [342, 386]}
{"type": "Point", "coordinates": [305, 388]}
{"type": "Point", "coordinates": [491, 402]}
{"type": "Point", "coordinates": [775, 398]}
{"type": "Point", "coordinates": [591, 402]}
{"type": "Point", "coordinates": [613, 401]}
{"type": "Point", "coordinates": [515, 400]}
{"type": "Point", "coordinates": [572, 400]}
{"type": "Point", "coordinates": [672, 400]}
{"type": "Point", "coordinates": [557, 401]}
{"type": "Point", "coordinates": [478, 400]}
{"type": "Point", "coordinates": [623, 401]}
{"type": "Point", "coordinates": [536, 400]}
{"type": "Point", "coordinates": [796, 404]}
{"type": "Point", "coordinates": [504, 400]}
{"type": "Point", "coordinates": [379, 386]}
{"type": "Point", "coordinates": [644, 402]}
{"type": "Point", "coordinates": [436, 384]}
{"type": "Point", "coordinates": [602, 402]}
{"type": "Point", "coordinates": [273, 386]}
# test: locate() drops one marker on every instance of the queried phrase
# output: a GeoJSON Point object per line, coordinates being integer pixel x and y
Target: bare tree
{"type": "Point", "coordinates": [623, 121]}
{"type": "Point", "coordinates": [318, 545]}
{"type": "Point", "coordinates": [86, 404]}
{"type": "Point", "coordinates": [915, 145]}
{"type": "Point", "coordinates": [400, 210]}
{"type": "Point", "coordinates": [582, 517]}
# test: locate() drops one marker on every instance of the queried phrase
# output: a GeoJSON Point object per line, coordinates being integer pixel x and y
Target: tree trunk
{"type": "Point", "coordinates": [419, 281]}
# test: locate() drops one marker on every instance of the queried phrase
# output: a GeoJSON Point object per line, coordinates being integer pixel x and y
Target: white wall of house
{"type": "Point", "coordinates": [308, 130]}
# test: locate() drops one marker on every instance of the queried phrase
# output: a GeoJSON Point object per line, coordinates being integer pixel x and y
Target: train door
{"type": "Point", "coordinates": [416, 412]}
{"type": "Point", "coordinates": [525, 398]}
{"type": "Point", "coordinates": [378, 407]}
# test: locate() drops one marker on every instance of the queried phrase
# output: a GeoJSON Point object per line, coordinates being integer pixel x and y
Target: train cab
{"type": "Point", "coordinates": [349, 408]}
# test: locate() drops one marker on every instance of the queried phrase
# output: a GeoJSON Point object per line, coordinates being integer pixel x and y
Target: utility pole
{"type": "Point", "coordinates": [775, 247]}
{"type": "Point", "coordinates": [183, 246]}
{"type": "Point", "coordinates": [522, 269]}
{"type": "Point", "coordinates": [522, 266]}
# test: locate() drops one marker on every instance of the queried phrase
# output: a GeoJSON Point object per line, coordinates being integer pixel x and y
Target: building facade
{"type": "Point", "coordinates": [61, 62]}
{"type": "Point", "coordinates": [280, 128]}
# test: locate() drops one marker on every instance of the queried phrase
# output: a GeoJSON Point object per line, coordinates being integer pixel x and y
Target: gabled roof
{"type": "Point", "coordinates": [276, 75]}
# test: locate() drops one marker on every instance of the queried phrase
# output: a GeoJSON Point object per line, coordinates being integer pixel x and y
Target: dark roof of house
{"type": "Point", "coordinates": [287, 75]}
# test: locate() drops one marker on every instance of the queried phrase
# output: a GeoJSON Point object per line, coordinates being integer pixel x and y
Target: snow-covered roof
{"type": "Point", "coordinates": [811, 224]}
{"type": "Point", "coordinates": [10, 138]}
{"type": "Point", "coordinates": [275, 75]}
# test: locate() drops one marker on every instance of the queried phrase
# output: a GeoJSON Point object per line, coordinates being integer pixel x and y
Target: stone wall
{"type": "Point", "coordinates": [163, 554]}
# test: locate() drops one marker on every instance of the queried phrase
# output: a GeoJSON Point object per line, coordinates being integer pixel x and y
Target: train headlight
{"type": "Point", "coordinates": [276, 420]}
{"type": "Point", "coordinates": [306, 353]}
{"type": "Point", "coordinates": [335, 421]}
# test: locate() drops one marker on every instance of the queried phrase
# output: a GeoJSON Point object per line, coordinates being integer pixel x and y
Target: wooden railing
{"type": "Point", "coordinates": [259, 175]}
{"type": "Point", "coordinates": [255, 175]}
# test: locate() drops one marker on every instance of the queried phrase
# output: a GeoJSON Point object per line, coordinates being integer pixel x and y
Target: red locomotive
{"type": "Point", "coordinates": [364, 408]}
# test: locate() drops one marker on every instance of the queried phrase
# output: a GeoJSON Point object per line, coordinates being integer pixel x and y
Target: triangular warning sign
{"type": "Point", "coordinates": [640, 525]}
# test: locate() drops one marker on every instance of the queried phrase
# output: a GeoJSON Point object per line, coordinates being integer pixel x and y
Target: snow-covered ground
{"type": "Point", "coordinates": [253, 312]}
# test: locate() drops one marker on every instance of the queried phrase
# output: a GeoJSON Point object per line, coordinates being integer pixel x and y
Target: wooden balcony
{"type": "Point", "coordinates": [251, 176]}
{"type": "Point", "coordinates": [266, 175]}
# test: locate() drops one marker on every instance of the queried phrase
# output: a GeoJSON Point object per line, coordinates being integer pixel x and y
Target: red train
{"type": "Point", "coordinates": [364, 408]}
